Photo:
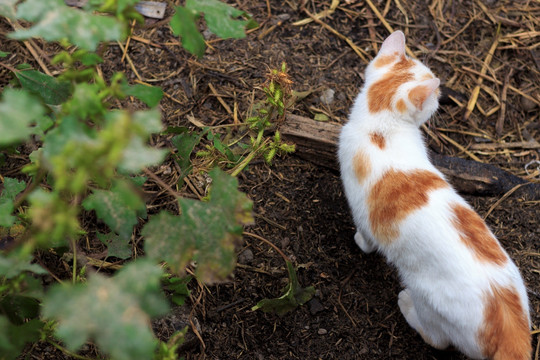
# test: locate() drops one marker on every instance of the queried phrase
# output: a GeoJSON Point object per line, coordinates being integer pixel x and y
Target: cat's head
{"type": "Point", "coordinates": [399, 84]}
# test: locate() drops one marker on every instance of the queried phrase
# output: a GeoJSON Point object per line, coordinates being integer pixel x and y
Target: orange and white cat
{"type": "Point", "coordinates": [461, 287]}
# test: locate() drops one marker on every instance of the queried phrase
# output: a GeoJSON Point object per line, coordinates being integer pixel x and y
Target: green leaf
{"type": "Point", "coordinates": [179, 288]}
{"type": "Point", "coordinates": [7, 8]}
{"type": "Point", "coordinates": [6, 208]}
{"type": "Point", "coordinates": [138, 180]}
{"type": "Point", "coordinates": [114, 312]}
{"type": "Point", "coordinates": [185, 143]}
{"type": "Point", "coordinates": [18, 308]}
{"type": "Point", "coordinates": [294, 296]}
{"type": "Point", "coordinates": [321, 117]}
{"type": "Point", "coordinates": [11, 188]}
{"type": "Point", "coordinates": [54, 21]}
{"type": "Point", "coordinates": [166, 238]}
{"type": "Point", "coordinates": [138, 155]}
{"type": "Point", "coordinates": [12, 265]}
{"type": "Point", "coordinates": [116, 246]}
{"type": "Point", "coordinates": [150, 95]}
{"type": "Point", "coordinates": [13, 338]}
{"type": "Point", "coordinates": [223, 148]}
{"type": "Point", "coordinates": [183, 24]}
{"type": "Point", "coordinates": [19, 111]}
{"type": "Point", "coordinates": [85, 101]}
{"type": "Point", "coordinates": [3, 54]}
{"type": "Point", "coordinates": [148, 122]}
{"type": "Point", "coordinates": [118, 208]}
{"type": "Point", "coordinates": [51, 90]}
{"type": "Point", "coordinates": [90, 59]}
{"type": "Point", "coordinates": [53, 220]}
{"type": "Point", "coordinates": [220, 17]}
{"type": "Point", "coordinates": [205, 232]}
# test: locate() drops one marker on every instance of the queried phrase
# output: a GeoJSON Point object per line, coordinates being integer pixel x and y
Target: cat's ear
{"type": "Point", "coordinates": [420, 93]}
{"type": "Point", "coordinates": [394, 44]}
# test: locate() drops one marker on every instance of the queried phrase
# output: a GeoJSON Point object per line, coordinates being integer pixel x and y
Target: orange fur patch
{"type": "Point", "coordinates": [505, 333]}
{"type": "Point", "coordinates": [378, 139]}
{"type": "Point", "coordinates": [395, 196]}
{"type": "Point", "coordinates": [418, 95]}
{"type": "Point", "coordinates": [426, 77]}
{"type": "Point", "coordinates": [361, 165]}
{"type": "Point", "coordinates": [384, 60]}
{"type": "Point", "coordinates": [403, 65]}
{"type": "Point", "coordinates": [401, 106]}
{"type": "Point", "coordinates": [381, 93]}
{"type": "Point", "coordinates": [476, 235]}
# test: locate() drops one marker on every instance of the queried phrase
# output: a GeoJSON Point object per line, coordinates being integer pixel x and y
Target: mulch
{"type": "Point", "coordinates": [485, 52]}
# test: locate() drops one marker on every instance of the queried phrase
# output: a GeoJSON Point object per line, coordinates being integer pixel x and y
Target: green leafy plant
{"type": "Point", "coordinates": [117, 310]}
{"type": "Point", "coordinates": [87, 160]}
{"type": "Point", "coordinates": [206, 232]}
{"type": "Point", "coordinates": [293, 296]}
{"type": "Point", "coordinates": [232, 151]}
{"type": "Point", "coordinates": [222, 19]}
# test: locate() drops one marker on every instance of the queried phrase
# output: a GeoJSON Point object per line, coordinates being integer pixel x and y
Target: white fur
{"type": "Point", "coordinates": [445, 285]}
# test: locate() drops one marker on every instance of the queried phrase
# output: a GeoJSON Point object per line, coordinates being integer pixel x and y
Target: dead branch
{"type": "Point", "coordinates": [316, 142]}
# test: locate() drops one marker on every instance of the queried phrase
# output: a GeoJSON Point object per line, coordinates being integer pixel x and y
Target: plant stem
{"type": "Point", "coordinates": [74, 246]}
{"type": "Point", "coordinates": [67, 352]}
{"type": "Point", "coordinates": [285, 257]}
{"type": "Point", "coordinates": [37, 180]}
{"type": "Point", "coordinates": [248, 158]}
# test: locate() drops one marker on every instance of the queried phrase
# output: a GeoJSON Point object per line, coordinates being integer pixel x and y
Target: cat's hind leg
{"type": "Point", "coordinates": [365, 244]}
{"type": "Point", "coordinates": [406, 305]}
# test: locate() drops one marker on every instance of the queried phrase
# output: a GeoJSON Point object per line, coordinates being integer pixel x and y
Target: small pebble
{"type": "Point", "coordinates": [207, 34]}
{"type": "Point", "coordinates": [315, 306]}
{"type": "Point", "coordinates": [322, 331]}
{"type": "Point", "coordinates": [527, 105]}
{"type": "Point", "coordinates": [283, 17]}
{"type": "Point", "coordinates": [327, 97]}
{"type": "Point", "coordinates": [245, 256]}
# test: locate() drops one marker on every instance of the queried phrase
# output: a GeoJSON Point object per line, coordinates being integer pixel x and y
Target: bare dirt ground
{"type": "Point", "coordinates": [301, 207]}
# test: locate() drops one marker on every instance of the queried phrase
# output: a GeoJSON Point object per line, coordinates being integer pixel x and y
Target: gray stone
{"type": "Point", "coordinates": [327, 96]}
{"type": "Point", "coordinates": [245, 256]}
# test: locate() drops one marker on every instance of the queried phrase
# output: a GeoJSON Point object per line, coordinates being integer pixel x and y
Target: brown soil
{"type": "Point", "coordinates": [300, 207]}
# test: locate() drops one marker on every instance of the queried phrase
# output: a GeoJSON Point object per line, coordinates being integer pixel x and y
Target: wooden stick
{"type": "Point", "coordinates": [500, 121]}
{"type": "Point", "coordinates": [504, 197]}
{"type": "Point", "coordinates": [357, 50]}
{"type": "Point", "coordinates": [461, 148]}
{"type": "Point", "coordinates": [30, 46]}
{"type": "Point", "coordinates": [476, 90]}
{"type": "Point", "coordinates": [317, 142]}
{"type": "Point", "coordinates": [130, 62]}
{"type": "Point", "coordinates": [498, 82]}
{"type": "Point", "coordinates": [510, 145]}
{"type": "Point", "coordinates": [128, 40]}
{"type": "Point", "coordinates": [319, 15]}
{"type": "Point", "coordinates": [220, 99]}
{"type": "Point", "coordinates": [387, 25]}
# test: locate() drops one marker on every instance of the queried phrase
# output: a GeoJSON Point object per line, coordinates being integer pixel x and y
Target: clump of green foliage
{"type": "Point", "coordinates": [89, 157]}
{"type": "Point", "coordinates": [235, 152]}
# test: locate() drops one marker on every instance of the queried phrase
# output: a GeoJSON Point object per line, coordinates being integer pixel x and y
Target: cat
{"type": "Point", "coordinates": [461, 287]}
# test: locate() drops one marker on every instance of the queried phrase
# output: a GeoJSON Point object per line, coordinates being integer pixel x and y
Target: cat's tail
{"type": "Point", "coordinates": [506, 334]}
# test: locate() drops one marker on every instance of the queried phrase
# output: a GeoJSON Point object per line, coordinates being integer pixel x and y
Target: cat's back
{"type": "Point", "coordinates": [366, 152]}
{"type": "Point", "coordinates": [461, 287]}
